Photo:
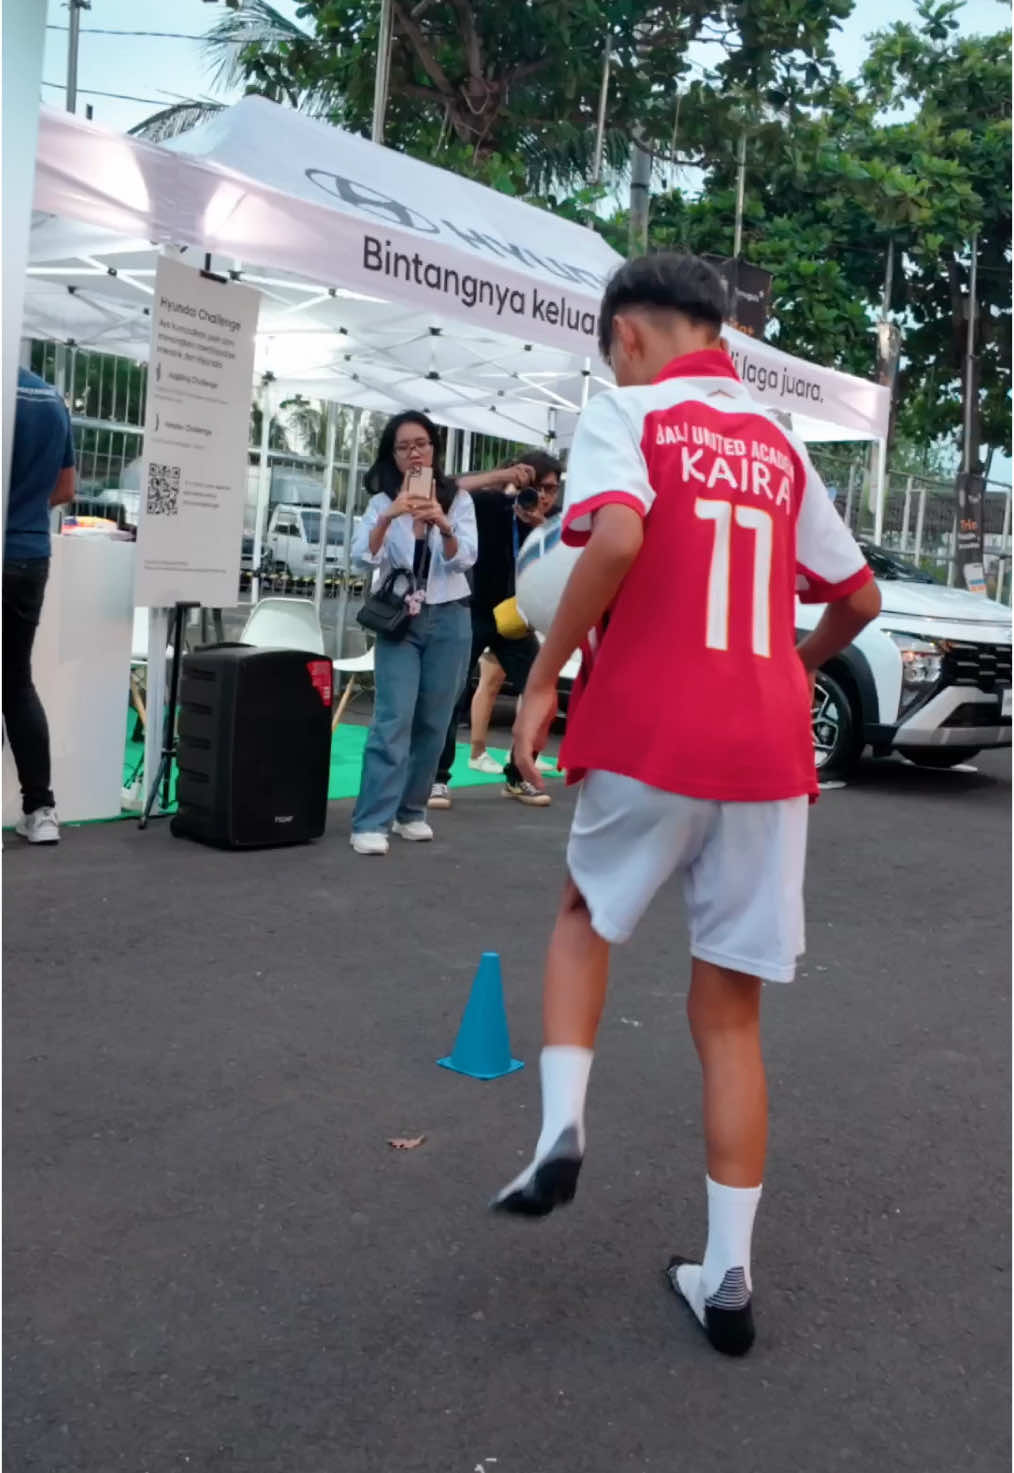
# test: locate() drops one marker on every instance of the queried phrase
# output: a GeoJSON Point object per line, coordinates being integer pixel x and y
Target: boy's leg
{"type": "Point", "coordinates": [625, 841]}
{"type": "Point", "coordinates": [724, 1011]}
{"type": "Point", "coordinates": [723, 1008]}
{"type": "Point", "coordinates": [745, 898]}
{"type": "Point", "coordinates": [574, 992]}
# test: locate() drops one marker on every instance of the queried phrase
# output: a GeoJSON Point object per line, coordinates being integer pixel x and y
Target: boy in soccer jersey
{"type": "Point", "coordinates": [701, 519]}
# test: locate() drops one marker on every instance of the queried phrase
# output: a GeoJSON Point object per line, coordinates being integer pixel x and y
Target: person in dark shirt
{"type": "Point", "coordinates": [42, 476]}
{"type": "Point", "coordinates": [505, 514]}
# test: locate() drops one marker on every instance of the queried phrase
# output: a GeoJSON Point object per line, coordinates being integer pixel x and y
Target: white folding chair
{"type": "Point", "coordinates": [351, 666]}
{"type": "Point", "coordinates": [284, 624]}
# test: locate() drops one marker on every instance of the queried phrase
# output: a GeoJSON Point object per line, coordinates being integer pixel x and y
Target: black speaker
{"type": "Point", "coordinates": [254, 746]}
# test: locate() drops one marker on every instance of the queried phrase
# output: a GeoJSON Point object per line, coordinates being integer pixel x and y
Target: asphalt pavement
{"type": "Point", "coordinates": [215, 1261]}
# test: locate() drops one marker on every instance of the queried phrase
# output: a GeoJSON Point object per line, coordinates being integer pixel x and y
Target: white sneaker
{"type": "Point", "coordinates": [487, 764]}
{"type": "Point", "coordinates": [417, 831]}
{"type": "Point", "coordinates": [546, 764]}
{"type": "Point", "coordinates": [370, 843]}
{"type": "Point", "coordinates": [40, 827]}
{"type": "Point", "coordinates": [440, 796]}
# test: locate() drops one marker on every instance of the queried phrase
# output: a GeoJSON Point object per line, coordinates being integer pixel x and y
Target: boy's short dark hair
{"type": "Point", "coordinates": [667, 282]}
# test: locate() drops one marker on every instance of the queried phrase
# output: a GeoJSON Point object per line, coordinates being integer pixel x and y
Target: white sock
{"type": "Point", "coordinates": [564, 1069]}
{"type": "Point", "coordinates": [731, 1212]}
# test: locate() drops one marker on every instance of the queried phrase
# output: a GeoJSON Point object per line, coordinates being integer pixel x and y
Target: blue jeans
{"type": "Point", "coordinates": [418, 680]}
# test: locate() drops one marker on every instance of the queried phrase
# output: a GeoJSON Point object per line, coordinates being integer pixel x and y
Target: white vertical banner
{"type": "Point", "coordinates": [197, 426]}
{"type": "Point", "coordinates": [24, 33]}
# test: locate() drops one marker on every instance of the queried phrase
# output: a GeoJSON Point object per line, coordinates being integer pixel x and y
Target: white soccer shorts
{"type": "Point", "coordinates": [742, 866]}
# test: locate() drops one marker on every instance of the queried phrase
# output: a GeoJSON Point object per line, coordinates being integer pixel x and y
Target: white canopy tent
{"type": "Point", "coordinates": [386, 282]}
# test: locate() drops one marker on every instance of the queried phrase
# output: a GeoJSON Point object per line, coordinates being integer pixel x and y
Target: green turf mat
{"type": "Point", "coordinates": [346, 761]}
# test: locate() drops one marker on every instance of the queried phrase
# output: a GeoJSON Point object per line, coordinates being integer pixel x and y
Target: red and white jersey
{"type": "Point", "coordinates": [693, 683]}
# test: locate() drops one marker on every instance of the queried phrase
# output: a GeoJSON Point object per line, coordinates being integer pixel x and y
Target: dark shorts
{"type": "Point", "coordinates": [516, 656]}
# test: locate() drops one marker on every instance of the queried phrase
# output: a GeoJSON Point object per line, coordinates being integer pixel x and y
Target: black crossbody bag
{"type": "Point", "coordinates": [386, 611]}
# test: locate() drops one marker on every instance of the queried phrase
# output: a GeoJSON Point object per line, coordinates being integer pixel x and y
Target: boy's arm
{"type": "Point", "coordinates": [616, 537]}
{"type": "Point", "coordinates": [839, 624]}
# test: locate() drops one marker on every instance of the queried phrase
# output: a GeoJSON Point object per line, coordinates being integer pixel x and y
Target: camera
{"type": "Point", "coordinates": [528, 498]}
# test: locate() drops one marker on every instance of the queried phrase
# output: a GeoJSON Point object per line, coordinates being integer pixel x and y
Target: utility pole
{"type": "Point", "coordinates": [600, 129]}
{"type": "Point", "coordinates": [381, 76]}
{"type": "Point", "coordinates": [970, 446]}
{"type": "Point", "coordinates": [73, 41]}
{"type": "Point", "coordinates": [737, 234]}
{"type": "Point", "coordinates": [640, 199]}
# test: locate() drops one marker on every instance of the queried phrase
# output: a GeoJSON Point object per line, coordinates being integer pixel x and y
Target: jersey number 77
{"type": "Point", "coordinates": [751, 519]}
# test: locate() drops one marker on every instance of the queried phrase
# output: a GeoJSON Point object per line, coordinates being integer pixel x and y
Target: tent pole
{"type": "Point", "coordinates": [350, 502]}
{"type": "Point", "coordinates": [325, 503]}
{"type": "Point", "coordinates": [879, 488]}
{"type": "Point", "coordinates": [263, 490]}
{"type": "Point", "coordinates": [466, 452]}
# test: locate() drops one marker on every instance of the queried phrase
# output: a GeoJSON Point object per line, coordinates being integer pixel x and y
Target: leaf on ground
{"type": "Point", "coordinates": [406, 1143]}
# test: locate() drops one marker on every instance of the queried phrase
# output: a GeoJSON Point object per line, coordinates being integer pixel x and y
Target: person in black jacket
{"type": "Point", "coordinates": [509, 502]}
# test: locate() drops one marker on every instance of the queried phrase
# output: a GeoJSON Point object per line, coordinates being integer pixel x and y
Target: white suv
{"type": "Point", "coordinates": [929, 678]}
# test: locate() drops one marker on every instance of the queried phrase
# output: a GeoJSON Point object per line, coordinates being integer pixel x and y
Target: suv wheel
{"type": "Point", "coordinates": [836, 744]}
{"type": "Point", "coordinates": [942, 757]}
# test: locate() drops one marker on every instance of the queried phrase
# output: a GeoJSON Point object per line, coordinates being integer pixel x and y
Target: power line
{"type": "Point", "coordinates": [119, 96]}
{"type": "Point", "coordinates": [163, 35]}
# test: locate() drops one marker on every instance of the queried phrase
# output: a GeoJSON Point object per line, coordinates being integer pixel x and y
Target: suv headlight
{"type": "Point", "coordinates": [922, 663]}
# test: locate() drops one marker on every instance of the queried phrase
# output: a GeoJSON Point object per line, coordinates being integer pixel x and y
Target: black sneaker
{"type": "Point", "coordinates": [728, 1313]}
{"type": "Point", "coordinates": [545, 1184]}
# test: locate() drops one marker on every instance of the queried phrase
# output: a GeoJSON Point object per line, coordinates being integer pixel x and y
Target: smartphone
{"type": "Point", "coordinates": [420, 483]}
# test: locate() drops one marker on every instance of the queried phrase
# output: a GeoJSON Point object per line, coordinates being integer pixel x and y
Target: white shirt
{"type": "Point", "coordinates": [446, 582]}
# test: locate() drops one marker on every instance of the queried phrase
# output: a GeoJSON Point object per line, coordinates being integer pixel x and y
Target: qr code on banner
{"type": "Point", "coordinates": [163, 490]}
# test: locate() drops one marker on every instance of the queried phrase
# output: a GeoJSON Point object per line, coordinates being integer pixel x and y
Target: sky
{"type": "Point", "coordinates": [153, 71]}
{"type": "Point", "coordinates": [156, 70]}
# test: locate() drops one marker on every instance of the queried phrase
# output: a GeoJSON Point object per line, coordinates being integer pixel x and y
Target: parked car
{"type": "Point", "coordinates": [293, 540]}
{"type": "Point", "coordinates": [929, 678]}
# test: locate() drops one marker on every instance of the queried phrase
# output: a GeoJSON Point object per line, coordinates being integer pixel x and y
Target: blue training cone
{"type": "Point", "coordinates": [483, 1047]}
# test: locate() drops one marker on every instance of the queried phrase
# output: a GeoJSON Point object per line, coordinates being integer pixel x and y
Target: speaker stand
{"type": "Point", "coordinates": [165, 765]}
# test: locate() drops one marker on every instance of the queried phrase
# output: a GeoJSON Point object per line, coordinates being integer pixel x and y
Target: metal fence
{"type": "Point", "coordinates": [919, 517]}
{"type": "Point", "coordinates": [106, 397]}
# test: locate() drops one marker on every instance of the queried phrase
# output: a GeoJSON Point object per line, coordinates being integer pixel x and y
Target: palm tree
{"type": "Point", "coordinates": [458, 117]}
{"type": "Point", "coordinates": [231, 47]}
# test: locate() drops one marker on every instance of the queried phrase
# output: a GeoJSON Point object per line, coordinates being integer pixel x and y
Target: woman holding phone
{"type": "Point", "coordinates": [416, 520]}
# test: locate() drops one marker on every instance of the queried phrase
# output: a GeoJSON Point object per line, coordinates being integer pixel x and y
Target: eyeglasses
{"type": "Point", "coordinates": [548, 488]}
{"type": "Point", "coordinates": [407, 446]}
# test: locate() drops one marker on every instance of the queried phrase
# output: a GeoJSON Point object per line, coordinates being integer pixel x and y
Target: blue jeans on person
{"type": "Point", "coordinates": [418, 680]}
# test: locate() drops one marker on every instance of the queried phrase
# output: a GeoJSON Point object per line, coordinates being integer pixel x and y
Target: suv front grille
{"type": "Point", "coordinates": [985, 666]}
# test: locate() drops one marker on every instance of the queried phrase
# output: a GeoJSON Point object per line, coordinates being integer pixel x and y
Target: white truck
{"type": "Point", "coordinates": [293, 540]}
{"type": "Point", "coordinates": [930, 677]}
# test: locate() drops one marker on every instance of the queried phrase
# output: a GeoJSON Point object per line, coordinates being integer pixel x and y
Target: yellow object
{"type": "Point", "coordinates": [509, 622]}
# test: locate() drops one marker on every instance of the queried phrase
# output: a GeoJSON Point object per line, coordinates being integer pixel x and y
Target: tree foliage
{"type": "Point", "coordinates": [915, 150]}
{"type": "Point", "coordinates": [509, 92]}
